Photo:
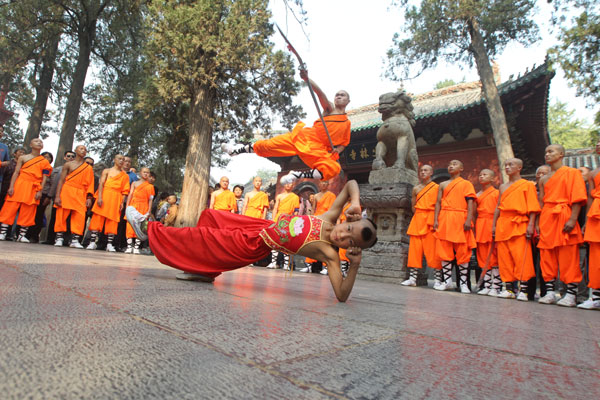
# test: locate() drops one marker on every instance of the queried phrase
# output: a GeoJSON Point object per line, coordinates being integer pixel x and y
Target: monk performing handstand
{"type": "Point", "coordinates": [311, 144]}
{"type": "Point", "coordinates": [224, 241]}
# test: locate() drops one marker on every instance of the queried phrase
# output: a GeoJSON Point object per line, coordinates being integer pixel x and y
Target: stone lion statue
{"type": "Point", "coordinates": [395, 138]}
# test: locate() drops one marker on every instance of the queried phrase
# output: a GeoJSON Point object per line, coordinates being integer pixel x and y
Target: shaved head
{"type": "Point", "coordinates": [558, 147]}
{"type": "Point", "coordinates": [516, 161]}
{"type": "Point", "coordinates": [458, 161]}
{"type": "Point", "coordinates": [488, 171]}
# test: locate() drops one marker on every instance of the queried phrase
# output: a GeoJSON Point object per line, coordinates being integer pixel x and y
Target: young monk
{"type": "Point", "coordinates": [487, 200]}
{"type": "Point", "coordinates": [592, 237]}
{"type": "Point", "coordinates": [321, 204]}
{"type": "Point", "coordinates": [140, 196]}
{"type": "Point", "coordinates": [420, 230]}
{"type": "Point", "coordinates": [288, 203]}
{"type": "Point", "coordinates": [513, 229]}
{"type": "Point", "coordinates": [223, 199]}
{"type": "Point", "coordinates": [25, 191]}
{"type": "Point", "coordinates": [224, 241]}
{"type": "Point", "coordinates": [309, 143]}
{"type": "Point", "coordinates": [74, 194]}
{"type": "Point", "coordinates": [256, 202]}
{"type": "Point", "coordinates": [110, 198]}
{"type": "Point", "coordinates": [453, 226]}
{"type": "Point", "coordinates": [562, 194]}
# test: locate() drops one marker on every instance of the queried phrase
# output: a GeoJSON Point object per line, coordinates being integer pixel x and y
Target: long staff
{"type": "Point", "coordinates": [312, 93]}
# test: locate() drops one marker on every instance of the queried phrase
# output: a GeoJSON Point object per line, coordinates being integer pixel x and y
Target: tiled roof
{"type": "Point", "coordinates": [582, 158]}
{"type": "Point", "coordinates": [443, 101]}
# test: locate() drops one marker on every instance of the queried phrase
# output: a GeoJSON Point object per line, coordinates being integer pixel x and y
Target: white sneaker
{"type": "Point", "coordinates": [568, 301]}
{"type": "Point", "coordinates": [229, 148]}
{"type": "Point", "coordinates": [590, 304]}
{"type": "Point", "coordinates": [59, 242]}
{"type": "Point", "coordinates": [92, 246]}
{"type": "Point", "coordinates": [522, 296]}
{"type": "Point", "coordinates": [484, 291]}
{"type": "Point", "coordinates": [493, 292]}
{"type": "Point", "coordinates": [110, 248]}
{"type": "Point", "coordinates": [76, 245]}
{"type": "Point", "coordinates": [128, 250]}
{"type": "Point", "coordinates": [289, 178]}
{"type": "Point", "coordinates": [409, 282]}
{"type": "Point", "coordinates": [324, 271]}
{"type": "Point", "coordinates": [306, 269]}
{"type": "Point", "coordinates": [436, 284]}
{"type": "Point", "coordinates": [2, 236]}
{"type": "Point", "coordinates": [22, 239]}
{"type": "Point", "coordinates": [184, 276]}
{"type": "Point", "coordinates": [138, 222]}
{"type": "Point", "coordinates": [136, 251]}
{"type": "Point", "coordinates": [465, 289]}
{"type": "Point", "coordinates": [506, 294]}
{"type": "Point", "coordinates": [273, 265]}
{"type": "Point", "coordinates": [549, 298]}
{"type": "Point", "coordinates": [444, 286]}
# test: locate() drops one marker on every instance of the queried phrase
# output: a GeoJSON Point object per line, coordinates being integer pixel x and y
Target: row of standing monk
{"type": "Point", "coordinates": [74, 196]}
{"type": "Point", "coordinates": [501, 224]}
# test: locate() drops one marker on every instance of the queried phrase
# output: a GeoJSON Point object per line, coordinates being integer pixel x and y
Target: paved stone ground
{"type": "Point", "coordinates": [77, 324]}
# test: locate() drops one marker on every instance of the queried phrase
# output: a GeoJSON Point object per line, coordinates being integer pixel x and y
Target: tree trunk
{"type": "Point", "coordinates": [197, 161]}
{"type": "Point", "coordinates": [492, 98]}
{"type": "Point", "coordinates": [42, 92]}
{"type": "Point", "coordinates": [86, 35]}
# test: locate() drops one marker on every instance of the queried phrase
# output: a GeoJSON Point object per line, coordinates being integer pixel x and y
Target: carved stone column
{"type": "Point", "coordinates": [389, 205]}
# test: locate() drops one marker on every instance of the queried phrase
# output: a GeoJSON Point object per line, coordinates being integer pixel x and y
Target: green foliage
{"type": "Point", "coordinates": [438, 30]}
{"type": "Point", "coordinates": [579, 50]}
{"type": "Point", "coordinates": [565, 129]}
{"type": "Point", "coordinates": [224, 44]}
{"type": "Point", "coordinates": [446, 83]}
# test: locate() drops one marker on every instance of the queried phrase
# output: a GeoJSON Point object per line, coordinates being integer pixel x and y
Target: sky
{"type": "Point", "coordinates": [344, 43]}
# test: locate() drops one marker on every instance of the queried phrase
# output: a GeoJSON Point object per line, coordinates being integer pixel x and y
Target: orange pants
{"type": "Point", "coordinates": [26, 213]}
{"type": "Point", "coordinates": [594, 262]}
{"type": "Point", "coordinates": [515, 259]}
{"type": "Point", "coordinates": [318, 157]}
{"type": "Point", "coordinates": [420, 246]}
{"type": "Point", "coordinates": [445, 251]}
{"type": "Point", "coordinates": [483, 249]}
{"type": "Point", "coordinates": [98, 221]}
{"type": "Point", "coordinates": [77, 221]}
{"type": "Point", "coordinates": [565, 258]}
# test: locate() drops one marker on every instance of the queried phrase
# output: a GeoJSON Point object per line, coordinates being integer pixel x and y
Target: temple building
{"type": "Point", "coordinates": [453, 123]}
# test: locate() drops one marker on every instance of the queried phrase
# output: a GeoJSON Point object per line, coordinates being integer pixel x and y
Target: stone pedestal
{"type": "Point", "coordinates": [392, 174]}
{"type": "Point", "coordinates": [389, 205]}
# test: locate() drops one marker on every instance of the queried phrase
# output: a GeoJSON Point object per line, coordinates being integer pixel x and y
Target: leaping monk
{"type": "Point", "coordinates": [223, 241]}
{"type": "Point", "coordinates": [310, 143]}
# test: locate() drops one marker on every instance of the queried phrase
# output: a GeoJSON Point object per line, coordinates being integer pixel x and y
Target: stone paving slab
{"type": "Point", "coordinates": [89, 324]}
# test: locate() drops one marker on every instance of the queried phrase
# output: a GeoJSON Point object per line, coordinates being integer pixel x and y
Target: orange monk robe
{"type": "Point", "coordinates": [451, 236]}
{"type": "Point", "coordinates": [311, 144]}
{"type": "Point", "coordinates": [257, 204]}
{"type": "Point", "coordinates": [486, 205]}
{"type": "Point", "coordinates": [23, 200]}
{"type": "Point", "coordinates": [420, 230]}
{"type": "Point", "coordinates": [560, 250]}
{"type": "Point", "coordinates": [324, 203]}
{"type": "Point", "coordinates": [225, 201]}
{"type": "Point", "coordinates": [514, 250]}
{"type": "Point", "coordinates": [592, 235]}
{"type": "Point", "coordinates": [287, 205]}
{"type": "Point", "coordinates": [109, 215]}
{"type": "Point", "coordinates": [140, 199]}
{"type": "Point", "coordinates": [73, 194]}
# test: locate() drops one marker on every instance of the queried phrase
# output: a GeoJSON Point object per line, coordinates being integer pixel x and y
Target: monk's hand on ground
{"type": "Point", "coordinates": [304, 75]}
{"type": "Point", "coordinates": [57, 201]}
{"type": "Point", "coordinates": [569, 225]}
{"type": "Point", "coordinates": [354, 254]}
{"type": "Point", "coordinates": [353, 213]}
